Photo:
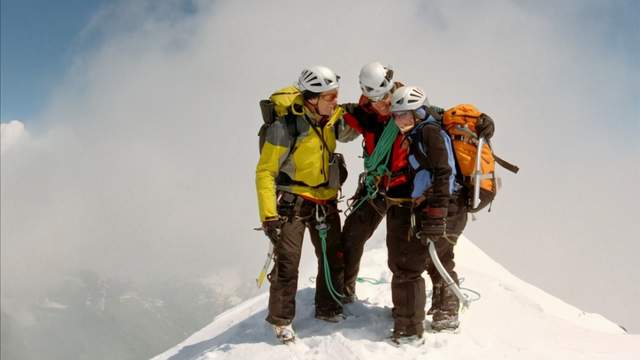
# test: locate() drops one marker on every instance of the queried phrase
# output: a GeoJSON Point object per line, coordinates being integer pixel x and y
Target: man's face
{"type": "Point", "coordinates": [327, 102]}
{"type": "Point", "coordinates": [404, 120]}
{"type": "Point", "coordinates": [383, 106]}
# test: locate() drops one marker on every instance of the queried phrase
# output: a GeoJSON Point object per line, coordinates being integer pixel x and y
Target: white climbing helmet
{"type": "Point", "coordinates": [408, 98]}
{"type": "Point", "coordinates": [318, 79]}
{"type": "Point", "coordinates": [376, 81]}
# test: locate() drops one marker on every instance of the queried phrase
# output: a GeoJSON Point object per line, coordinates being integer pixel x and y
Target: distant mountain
{"type": "Point", "coordinates": [89, 317]}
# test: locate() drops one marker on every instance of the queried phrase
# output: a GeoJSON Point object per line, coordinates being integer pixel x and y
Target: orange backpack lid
{"type": "Point", "coordinates": [463, 114]}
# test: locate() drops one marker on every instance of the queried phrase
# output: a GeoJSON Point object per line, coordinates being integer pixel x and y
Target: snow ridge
{"type": "Point", "coordinates": [512, 320]}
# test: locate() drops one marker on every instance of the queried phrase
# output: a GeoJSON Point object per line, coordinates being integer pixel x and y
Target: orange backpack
{"type": "Point", "coordinates": [460, 123]}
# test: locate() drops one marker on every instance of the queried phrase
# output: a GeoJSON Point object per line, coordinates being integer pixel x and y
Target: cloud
{"type": "Point", "coordinates": [11, 133]}
{"type": "Point", "coordinates": [142, 165]}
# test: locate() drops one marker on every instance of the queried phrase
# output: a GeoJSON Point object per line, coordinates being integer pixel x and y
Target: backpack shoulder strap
{"type": "Point", "coordinates": [436, 112]}
{"type": "Point", "coordinates": [416, 148]}
{"type": "Point", "coordinates": [292, 127]}
{"type": "Point", "coordinates": [320, 135]}
{"type": "Point", "coordinates": [417, 140]}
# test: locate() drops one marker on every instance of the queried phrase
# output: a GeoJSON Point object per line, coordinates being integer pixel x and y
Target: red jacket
{"type": "Point", "coordinates": [363, 118]}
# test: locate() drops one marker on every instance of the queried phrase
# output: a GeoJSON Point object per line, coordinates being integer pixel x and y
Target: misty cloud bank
{"type": "Point", "coordinates": [11, 134]}
{"type": "Point", "coordinates": [142, 166]}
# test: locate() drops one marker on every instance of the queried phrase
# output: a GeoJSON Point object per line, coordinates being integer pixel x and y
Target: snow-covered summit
{"type": "Point", "coordinates": [511, 320]}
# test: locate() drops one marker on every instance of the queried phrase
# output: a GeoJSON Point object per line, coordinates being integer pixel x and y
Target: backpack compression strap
{"type": "Point", "coordinates": [505, 164]}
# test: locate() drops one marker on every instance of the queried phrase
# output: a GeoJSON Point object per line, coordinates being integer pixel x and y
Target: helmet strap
{"type": "Point", "coordinates": [313, 107]}
{"type": "Point", "coordinates": [314, 112]}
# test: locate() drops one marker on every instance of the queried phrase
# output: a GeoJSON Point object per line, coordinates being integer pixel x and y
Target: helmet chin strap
{"type": "Point", "coordinates": [317, 117]}
{"type": "Point", "coordinates": [312, 106]}
{"type": "Point", "coordinates": [407, 128]}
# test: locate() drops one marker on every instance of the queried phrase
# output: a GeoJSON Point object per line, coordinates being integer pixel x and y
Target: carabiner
{"type": "Point", "coordinates": [320, 220]}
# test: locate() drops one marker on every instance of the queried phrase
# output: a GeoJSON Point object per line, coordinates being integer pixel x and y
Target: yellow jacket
{"type": "Point", "coordinates": [305, 168]}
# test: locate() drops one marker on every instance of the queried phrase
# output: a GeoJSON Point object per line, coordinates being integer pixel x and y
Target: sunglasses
{"type": "Point", "coordinates": [329, 97]}
{"type": "Point", "coordinates": [398, 114]}
{"type": "Point", "coordinates": [384, 97]}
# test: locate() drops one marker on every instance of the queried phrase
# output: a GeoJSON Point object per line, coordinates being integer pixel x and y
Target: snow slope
{"type": "Point", "coordinates": [511, 320]}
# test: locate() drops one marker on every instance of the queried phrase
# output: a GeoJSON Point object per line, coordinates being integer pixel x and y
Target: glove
{"type": "Point", "coordinates": [434, 223]}
{"type": "Point", "coordinates": [273, 229]}
{"type": "Point", "coordinates": [485, 127]}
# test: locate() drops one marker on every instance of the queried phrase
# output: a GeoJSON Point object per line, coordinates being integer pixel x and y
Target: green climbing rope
{"type": "Point", "coordinates": [371, 281]}
{"type": "Point", "coordinates": [375, 165]}
{"type": "Point", "coordinates": [323, 229]}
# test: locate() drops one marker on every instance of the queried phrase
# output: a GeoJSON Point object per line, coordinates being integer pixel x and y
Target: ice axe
{"type": "Point", "coordinates": [265, 269]}
{"type": "Point", "coordinates": [445, 275]}
{"type": "Point", "coordinates": [267, 264]}
{"type": "Point", "coordinates": [477, 174]}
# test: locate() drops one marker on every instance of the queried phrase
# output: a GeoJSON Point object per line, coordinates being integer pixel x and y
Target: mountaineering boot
{"type": "Point", "coordinates": [445, 317]}
{"type": "Point", "coordinates": [349, 299]}
{"type": "Point", "coordinates": [408, 334]}
{"type": "Point", "coordinates": [332, 318]}
{"type": "Point", "coordinates": [399, 338]}
{"type": "Point", "coordinates": [284, 333]}
{"type": "Point", "coordinates": [436, 301]}
{"type": "Point", "coordinates": [443, 321]}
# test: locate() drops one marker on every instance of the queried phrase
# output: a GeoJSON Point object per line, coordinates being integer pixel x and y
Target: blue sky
{"type": "Point", "coordinates": [38, 41]}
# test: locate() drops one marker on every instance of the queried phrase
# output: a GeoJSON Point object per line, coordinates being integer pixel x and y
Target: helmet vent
{"type": "Point", "coordinates": [389, 74]}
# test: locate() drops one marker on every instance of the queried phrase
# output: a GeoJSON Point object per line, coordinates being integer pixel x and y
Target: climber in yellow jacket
{"type": "Point", "coordinates": [298, 178]}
